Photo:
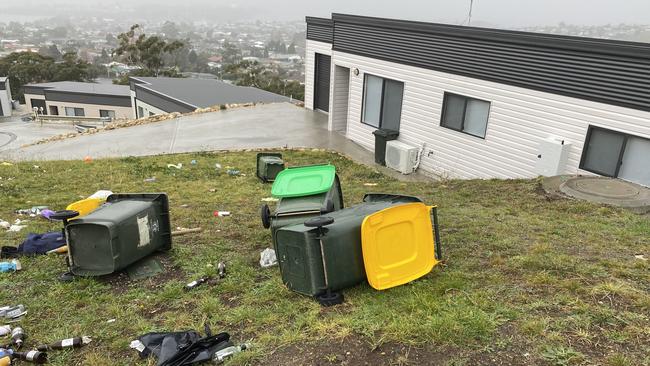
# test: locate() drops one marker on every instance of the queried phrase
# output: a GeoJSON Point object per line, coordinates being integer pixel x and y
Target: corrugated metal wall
{"type": "Point", "coordinates": [320, 29]}
{"type": "Point", "coordinates": [611, 72]}
{"type": "Point", "coordinates": [519, 119]}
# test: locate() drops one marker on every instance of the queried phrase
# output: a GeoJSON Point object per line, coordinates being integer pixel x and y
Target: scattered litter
{"type": "Point", "coordinates": [47, 213]}
{"type": "Point", "coordinates": [217, 165]}
{"type": "Point", "coordinates": [16, 228]}
{"type": "Point", "coordinates": [36, 167]}
{"type": "Point", "coordinates": [76, 342]}
{"type": "Point", "coordinates": [150, 180]}
{"type": "Point", "coordinates": [233, 172]}
{"type": "Point", "coordinates": [18, 337]}
{"type": "Point", "coordinates": [42, 243]}
{"type": "Point", "coordinates": [641, 257]}
{"type": "Point", "coordinates": [6, 163]}
{"type": "Point", "coordinates": [270, 199]}
{"type": "Point", "coordinates": [4, 330]}
{"type": "Point", "coordinates": [193, 162]}
{"type": "Point", "coordinates": [111, 321]}
{"type": "Point", "coordinates": [88, 159]}
{"type": "Point", "coordinates": [221, 213]}
{"type": "Point", "coordinates": [226, 353]}
{"type": "Point", "coordinates": [177, 166]}
{"type": "Point", "coordinates": [212, 190]}
{"type": "Point", "coordinates": [12, 313]}
{"type": "Point", "coordinates": [181, 348]}
{"type": "Point", "coordinates": [34, 211]}
{"type": "Point", "coordinates": [12, 266]}
{"type": "Point", "coordinates": [196, 283]}
{"type": "Point", "coordinates": [101, 194]}
{"type": "Point", "coordinates": [370, 184]}
{"type": "Point", "coordinates": [4, 224]}
{"type": "Point", "coordinates": [268, 258]}
{"type": "Point", "coordinates": [183, 231]}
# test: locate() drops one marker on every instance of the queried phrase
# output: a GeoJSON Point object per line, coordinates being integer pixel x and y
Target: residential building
{"type": "Point", "coordinates": [5, 97]}
{"type": "Point", "coordinates": [485, 103]}
{"type": "Point", "coordinates": [76, 99]}
{"type": "Point", "coordinates": [151, 95]}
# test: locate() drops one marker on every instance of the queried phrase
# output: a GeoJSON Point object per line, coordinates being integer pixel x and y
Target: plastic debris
{"type": "Point", "coordinates": [222, 355]}
{"type": "Point", "coordinates": [177, 166]}
{"type": "Point", "coordinates": [47, 213]}
{"type": "Point", "coordinates": [11, 266]}
{"type": "Point", "coordinates": [641, 257]}
{"type": "Point", "coordinates": [370, 184]}
{"type": "Point", "coordinates": [193, 162]}
{"type": "Point", "coordinates": [88, 159]}
{"type": "Point", "coordinates": [4, 330]}
{"type": "Point", "coordinates": [16, 228]}
{"type": "Point", "coordinates": [217, 165]}
{"type": "Point", "coordinates": [4, 224]}
{"type": "Point", "coordinates": [101, 194]}
{"type": "Point", "coordinates": [111, 321]}
{"type": "Point", "coordinates": [221, 213]}
{"type": "Point", "coordinates": [12, 313]}
{"type": "Point", "coordinates": [150, 180]}
{"type": "Point", "coordinates": [233, 172]}
{"type": "Point", "coordinates": [6, 163]}
{"type": "Point", "coordinates": [268, 258]}
{"type": "Point", "coordinates": [270, 199]}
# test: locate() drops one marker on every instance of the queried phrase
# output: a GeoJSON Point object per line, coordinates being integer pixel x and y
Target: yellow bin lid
{"type": "Point", "coordinates": [398, 245]}
{"type": "Point", "coordinates": [85, 206]}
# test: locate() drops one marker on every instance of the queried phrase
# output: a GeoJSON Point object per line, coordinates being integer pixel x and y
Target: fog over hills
{"type": "Point", "coordinates": [501, 13]}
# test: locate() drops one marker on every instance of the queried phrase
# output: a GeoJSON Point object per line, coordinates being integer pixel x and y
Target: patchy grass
{"type": "Point", "coordinates": [528, 280]}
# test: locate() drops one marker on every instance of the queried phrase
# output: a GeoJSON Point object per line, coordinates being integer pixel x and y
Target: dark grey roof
{"type": "Point", "coordinates": [202, 93]}
{"type": "Point", "coordinates": [3, 79]}
{"type": "Point", "coordinates": [85, 88]}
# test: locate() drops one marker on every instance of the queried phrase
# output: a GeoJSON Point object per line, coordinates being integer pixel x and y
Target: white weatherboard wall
{"type": "Point", "coordinates": [147, 108]}
{"type": "Point", "coordinates": [519, 120]}
{"type": "Point", "coordinates": [312, 48]}
{"type": "Point", "coordinates": [339, 90]}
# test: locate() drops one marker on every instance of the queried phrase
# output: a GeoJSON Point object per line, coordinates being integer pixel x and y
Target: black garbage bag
{"type": "Point", "coordinates": [181, 348]}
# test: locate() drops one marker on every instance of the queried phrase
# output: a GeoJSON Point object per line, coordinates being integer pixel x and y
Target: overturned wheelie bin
{"type": "Point", "coordinates": [326, 254]}
{"type": "Point", "coordinates": [128, 228]}
{"type": "Point", "coordinates": [303, 192]}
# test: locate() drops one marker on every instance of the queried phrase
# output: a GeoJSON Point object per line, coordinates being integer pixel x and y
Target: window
{"type": "Point", "coordinates": [74, 112]}
{"type": "Point", "coordinates": [151, 114]}
{"type": "Point", "coordinates": [107, 113]}
{"type": "Point", "coordinates": [465, 114]}
{"type": "Point", "coordinates": [54, 110]}
{"type": "Point", "coordinates": [382, 102]}
{"type": "Point", "coordinates": [140, 112]}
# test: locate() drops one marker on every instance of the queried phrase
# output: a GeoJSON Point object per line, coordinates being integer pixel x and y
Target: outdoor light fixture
{"type": "Point", "coordinates": [355, 71]}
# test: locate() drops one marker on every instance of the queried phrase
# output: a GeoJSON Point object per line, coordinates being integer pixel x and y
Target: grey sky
{"type": "Point", "coordinates": [505, 13]}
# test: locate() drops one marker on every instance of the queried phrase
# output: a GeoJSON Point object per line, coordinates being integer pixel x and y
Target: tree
{"type": "Point", "coordinates": [231, 54]}
{"type": "Point", "coordinates": [247, 73]}
{"type": "Point", "coordinates": [29, 67]}
{"type": "Point", "coordinates": [170, 30]}
{"type": "Point", "coordinates": [143, 51]}
{"type": "Point", "coordinates": [292, 48]}
{"type": "Point", "coordinates": [192, 57]}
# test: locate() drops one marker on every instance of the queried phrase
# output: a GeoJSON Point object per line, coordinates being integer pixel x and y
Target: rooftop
{"type": "Point", "coordinates": [86, 88]}
{"type": "Point", "coordinates": [202, 93]}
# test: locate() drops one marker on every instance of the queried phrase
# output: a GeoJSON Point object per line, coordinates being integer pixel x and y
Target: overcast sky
{"type": "Point", "coordinates": [505, 13]}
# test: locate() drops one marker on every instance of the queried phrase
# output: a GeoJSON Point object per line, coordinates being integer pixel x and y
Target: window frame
{"type": "Point", "coordinates": [462, 125]}
{"type": "Point", "coordinates": [585, 149]}
{"type": "Point", "coordinates": [108, 113]}
{"type": "Point", "coordinates": [381, 102]}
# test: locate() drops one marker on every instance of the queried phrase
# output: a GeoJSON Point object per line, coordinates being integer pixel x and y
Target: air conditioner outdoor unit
{"type": "Point", "coordinates": [401, 157]}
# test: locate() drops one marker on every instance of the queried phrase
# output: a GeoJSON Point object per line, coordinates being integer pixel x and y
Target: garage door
{"type": "Point", "coordinates": [322, 81]}
{"type": "Point", "coordinates": [616, 154]}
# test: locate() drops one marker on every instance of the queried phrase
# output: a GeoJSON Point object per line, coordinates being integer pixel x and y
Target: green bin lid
{"type": "Point", "coordinates": [304, 181]}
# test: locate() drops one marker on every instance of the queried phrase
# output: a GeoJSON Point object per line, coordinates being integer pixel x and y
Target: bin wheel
{"type": "Point", "coordinates": [64, 215]}
{"type": "Point", "coordinates": [330, 298]}
{"type": "Point", "coordinates": [66, 277]}
{"type": "Point", "coordinates": [319, 221]}
{"type": "Point", "coordinates": [265, 213]}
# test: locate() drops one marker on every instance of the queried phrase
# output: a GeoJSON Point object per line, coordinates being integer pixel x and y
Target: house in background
{"type": "Point", "coordinates": [5, 97]}
{"type": "Point", "coordinates": [76, 99]}
{"type": "Point", "coordinates": [485, 103]}
{"type": "Point", "coordinates": [158, 95]}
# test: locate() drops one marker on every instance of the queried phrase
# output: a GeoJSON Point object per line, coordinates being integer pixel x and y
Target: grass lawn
{"type": "Point", "coordinates": [528, 280]}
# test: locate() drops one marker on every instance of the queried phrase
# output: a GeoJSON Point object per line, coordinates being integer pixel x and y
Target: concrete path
{"type": "Point", "coordinates": [16, 133]}
{"type": "Point", "coordinates": [263, 126]}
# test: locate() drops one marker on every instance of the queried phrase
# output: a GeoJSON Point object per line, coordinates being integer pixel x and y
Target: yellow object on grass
{"type": "Point", "coordinates": [86, 205]}
{"type": "Point", "coordinates": [398, 245]}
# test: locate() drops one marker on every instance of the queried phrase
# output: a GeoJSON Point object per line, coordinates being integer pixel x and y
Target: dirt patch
{"type": "Point", "coordinates": [355, 350]}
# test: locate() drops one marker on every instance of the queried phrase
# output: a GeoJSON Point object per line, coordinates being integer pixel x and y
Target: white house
{"type": "Point", "coordinates": [485, 103]}
{"type": "Point", "coordinates": [5, 97]}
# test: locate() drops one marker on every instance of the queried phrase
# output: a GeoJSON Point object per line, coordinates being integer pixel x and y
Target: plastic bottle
{"type": "Point", "coordinates": [221, 213]}
{"type": "Point", "coordinates": [12, 266]}
{"type": "Point", "coordinates": [4, 330]}
{"type": "Point", "coordinates": [31, 356]}
{"type": "Point", "coordinates": [18, 337]}
{"type": "Point", "coordinates": [76, 342]}
{"type": "Point", "coordinates": [196, 283]}
{"type": "Point", "coordinates": [227, 352]}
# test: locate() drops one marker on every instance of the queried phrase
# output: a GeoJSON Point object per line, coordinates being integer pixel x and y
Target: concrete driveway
{"type": "Point", "coordinates": [16, 133]}
{"type": "Point", "coordinates": [262, 126]}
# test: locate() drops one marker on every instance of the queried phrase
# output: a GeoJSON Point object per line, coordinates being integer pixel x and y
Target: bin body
{"type": "Point", "coordinates": [295, 210]}
{"type": "Point", "coordinates": [309, 268]}
{"type": "Point", "coordinates": [129, 228]}
{"type": "Point", "coordinates": [269, 165]}
{"type": "Point", "coordinates": [381, 137]}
